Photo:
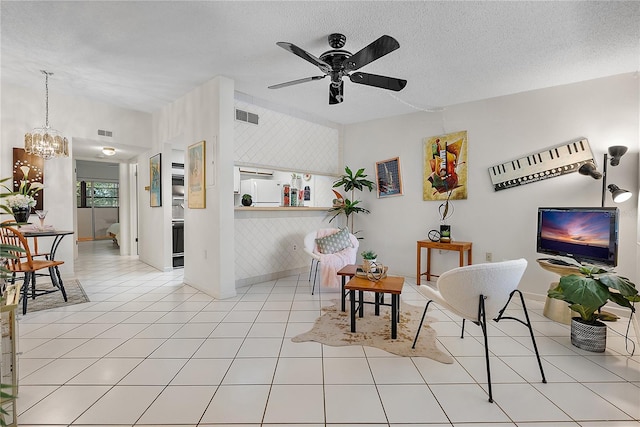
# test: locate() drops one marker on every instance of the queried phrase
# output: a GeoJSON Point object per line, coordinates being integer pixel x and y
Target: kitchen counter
{"type": "Point", "coordinates": [280, 208]}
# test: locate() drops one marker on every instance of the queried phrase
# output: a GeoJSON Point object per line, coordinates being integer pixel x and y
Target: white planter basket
{"type": "Point", "coordinates": [587, 336]}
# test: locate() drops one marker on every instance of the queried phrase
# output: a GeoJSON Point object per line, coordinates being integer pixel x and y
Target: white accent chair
{"type": "Point", "coordinates": [311, 248]}
{"type": "Point", "coordinates": [477, 292]}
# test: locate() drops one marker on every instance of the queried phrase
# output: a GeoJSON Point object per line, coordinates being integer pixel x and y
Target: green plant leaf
{"type": "Point", "coordinates": [585, 312]}
{"type": "Point", "coordinates": [585, 294]}
{"type": "Point", "coordinates": [619, 283]}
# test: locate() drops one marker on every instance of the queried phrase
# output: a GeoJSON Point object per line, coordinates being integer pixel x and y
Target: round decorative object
{"type": "Point", "coordinates": [369, 265]}
{"type": "Point", "coordinates": [21, 215]}
{"type": "Point", "coordinates": [587, 336]}
{"type": "Point", "coordinates": [434, 235]}
{"type": "Point", "coordinates": [247, 201]}
{"type": "Point", "coordinates": [306, 176]}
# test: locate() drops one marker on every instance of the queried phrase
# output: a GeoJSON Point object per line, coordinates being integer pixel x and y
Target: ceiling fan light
{"type": "Point", "coordinates": [618, 194]}
{"type": "Point", "coordinates": [108, 151]}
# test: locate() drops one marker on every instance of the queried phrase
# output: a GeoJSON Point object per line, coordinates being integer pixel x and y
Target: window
{"type": "Point", "coordinates": [97, 194]}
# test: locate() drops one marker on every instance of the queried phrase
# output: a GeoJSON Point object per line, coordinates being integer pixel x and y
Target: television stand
{"type": "Point", "coordinates": [555, 309]}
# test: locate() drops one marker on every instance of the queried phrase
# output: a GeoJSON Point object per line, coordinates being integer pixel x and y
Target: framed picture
{"type": "Point", "coordinates": [155, 179]}
{"type": "Point", "coordinates": [445, 167]}
{"type": "Point", "coordinates": [196, 177]}
{"type": "Point", "coordinates": [30, 168]}
{"type": "Point", "coordinates": [388, 178]}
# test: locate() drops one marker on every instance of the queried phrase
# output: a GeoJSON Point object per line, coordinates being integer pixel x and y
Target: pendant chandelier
{"type": "Point", "coordinates": [46, 142]}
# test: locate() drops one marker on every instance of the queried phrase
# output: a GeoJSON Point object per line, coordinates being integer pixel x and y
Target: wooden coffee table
{"type": "Point", "coordinates": [389, 285]}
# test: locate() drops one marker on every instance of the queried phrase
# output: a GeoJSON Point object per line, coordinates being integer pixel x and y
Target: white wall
{"type": "Point", "coordinates": [22, 109]}
{"type": "Point", "coordinates": [285, 142]}
{"type": "Point", "coordinates": [206, 113]}
{"type": "Point", "coordinates": [605, 111]}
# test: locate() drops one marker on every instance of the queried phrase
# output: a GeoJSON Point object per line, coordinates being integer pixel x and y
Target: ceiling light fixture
{"type": "Point", "coordinates": [108, 151]}
{"type": "Point", "coordinates": [46, 142]}
{"type": "Point", "coordinates": [618, 194]}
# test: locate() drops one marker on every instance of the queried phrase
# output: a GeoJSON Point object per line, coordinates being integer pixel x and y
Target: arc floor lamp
{"type": "Point", "coordinates": [618, 194]}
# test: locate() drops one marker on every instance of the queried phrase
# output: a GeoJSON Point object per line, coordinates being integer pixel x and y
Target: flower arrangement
{"type": "Point", "coordinates": [25, 196]}
{"type": "Point", "coordinates": [19, 201]}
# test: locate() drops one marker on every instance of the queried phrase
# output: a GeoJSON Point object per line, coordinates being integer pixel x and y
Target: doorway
{"type": "Point", "coordinates": [97, 198]}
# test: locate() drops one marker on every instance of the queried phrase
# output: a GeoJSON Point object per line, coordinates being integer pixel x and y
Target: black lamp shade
{"type": "Point", "coordinates": [589, 169]}
{"type": "Point", "coordinates": [616, 151]}
{"type": "Point", "coordinates": [618, 194]}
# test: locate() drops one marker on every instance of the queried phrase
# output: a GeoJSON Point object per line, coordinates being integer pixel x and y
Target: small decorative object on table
{"type": "Point", "coordinates": [246, 200]}
{"type": "Point", "coordinates": [587, 293]}
{"type": "Point", "coordinates": [369, 259]}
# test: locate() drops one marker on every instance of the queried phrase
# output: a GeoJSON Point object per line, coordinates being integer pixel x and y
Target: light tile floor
{"type": "Point", "coordinates": [149, 350]}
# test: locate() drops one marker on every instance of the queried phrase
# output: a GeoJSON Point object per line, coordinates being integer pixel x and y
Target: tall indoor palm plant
{"type": "Point", "coordinates": [351, 182]}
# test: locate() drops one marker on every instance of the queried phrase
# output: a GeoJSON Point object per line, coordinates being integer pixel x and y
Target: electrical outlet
{"type": "Point", "coordinates": [295, 247]}
{"type": "Point", "coordinates": [488, 256]}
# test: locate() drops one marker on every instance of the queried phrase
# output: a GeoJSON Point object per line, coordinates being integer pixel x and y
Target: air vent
{"type": "Point", "coordinates": [245, 116]}
{"type": "Point", "coordinates": [105, 133]}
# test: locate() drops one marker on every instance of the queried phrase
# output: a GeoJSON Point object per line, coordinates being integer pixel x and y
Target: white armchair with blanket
{"type": "Point", "coordinates": [330, 250]}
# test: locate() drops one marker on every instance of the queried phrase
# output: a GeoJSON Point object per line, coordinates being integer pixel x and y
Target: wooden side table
{"type": "Point", "coordinates": [389, 285]}
{"type": "Point", "coordinates": [461, 247]}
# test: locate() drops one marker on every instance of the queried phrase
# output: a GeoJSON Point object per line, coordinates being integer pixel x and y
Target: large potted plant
{"type": "Point", "coordinates": [350, 182]}
{"type": "Point", "coordinates": [586, 294]}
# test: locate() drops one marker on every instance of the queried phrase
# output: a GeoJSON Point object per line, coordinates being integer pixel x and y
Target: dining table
{"type": "Point", "coordinates": [57, 235]}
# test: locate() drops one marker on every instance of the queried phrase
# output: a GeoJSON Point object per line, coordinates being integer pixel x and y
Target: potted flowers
{"type": "Point", "coordinates": [20, 203]}
{"type": "Point", "coordinates": [586, 293]}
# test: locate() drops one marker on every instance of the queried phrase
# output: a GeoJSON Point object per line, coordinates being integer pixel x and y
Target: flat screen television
{"type": "Point", "coordinates": [585, 234]}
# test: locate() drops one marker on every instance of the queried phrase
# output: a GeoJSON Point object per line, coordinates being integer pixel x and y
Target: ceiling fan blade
{"type": "Point", "coordinates": [295, 82]}
{"type": "Point", "coordinates": [324, 67]}
{"type": "Point", "coordinates": [336, 93]}
{"type": "Point", "coordinates": [377, 49]}
{"type": "Point", "coordinates": [383, 82]}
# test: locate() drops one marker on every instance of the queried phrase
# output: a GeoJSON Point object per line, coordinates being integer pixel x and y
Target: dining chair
{"type": "Point", "coordinates": [23, 262]}
{"type": "Point", "coordinates": [35, 251]}
{"type": "Point", "coordinates": [477, 292]}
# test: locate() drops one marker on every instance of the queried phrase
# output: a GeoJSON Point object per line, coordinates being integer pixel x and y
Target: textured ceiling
{"type": "Point", "coordinates": [143, 55]}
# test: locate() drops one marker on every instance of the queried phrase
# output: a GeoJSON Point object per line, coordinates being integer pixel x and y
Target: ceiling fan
{"type": "Point", "coordinates": [338, 63]}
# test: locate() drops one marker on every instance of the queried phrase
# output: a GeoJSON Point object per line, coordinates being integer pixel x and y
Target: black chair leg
{"type": "Point", "coordinates": [315, 275]}
{"type": "Point", "coordinates": [483, 324]}
{"type": "Point", "coordinates": [310, 270]}
{"type": "Point", "coordinates": [424, 313]}
{"type": "Point", "coordinates": [527, 324]}
{"type": "Point", "coordinates": [25, 292]}
{"type": "Point", "coordinates": [33, 285]}
{"type": "Point", "coordinates": [462, 331]}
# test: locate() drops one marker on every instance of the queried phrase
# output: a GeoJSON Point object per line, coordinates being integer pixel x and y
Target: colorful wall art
{"type": "Point", "coordinates": [388, 178]}
{"type": "Point", "coordinates": [155, 180]}
{"type": "Point", "coordinates": [445, 167]}
{"type": "Point", "coordinates": [196, 176]}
